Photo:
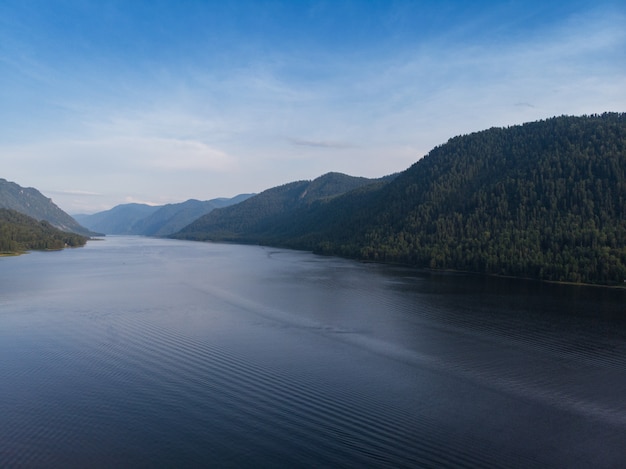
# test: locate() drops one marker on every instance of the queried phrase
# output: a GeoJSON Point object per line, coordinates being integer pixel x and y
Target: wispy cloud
{"type": "Point", "coordinates": [115, 155]}
{"type": "Point", "coordinates": [134, 200]}
{"type": "Point", "coordinates": [532, 106]}
{"type": "Point", "coordinates": [75, 192]}
{"type": "Point", "coordinates": [204, 120]}
{"type": "Point", "coordinates": [320, 143]}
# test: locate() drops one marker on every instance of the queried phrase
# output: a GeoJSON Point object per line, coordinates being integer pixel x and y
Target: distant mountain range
{"type": "Point", "coordinates": [117, 220]}
{"type": "Point", "coordinates": [147, 220]}
{"type": "Point", "coordinates": [31, 202]}
{"type": "Point", "coordinates": [543, 200]}
{"type": "Point", "coordinates": [271, 210]}
{"type": "Point", "coordinates": [29, 220]}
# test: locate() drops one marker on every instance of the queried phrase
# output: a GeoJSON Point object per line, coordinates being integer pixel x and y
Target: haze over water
{"type": "Point", "coordinates": [138, 352]}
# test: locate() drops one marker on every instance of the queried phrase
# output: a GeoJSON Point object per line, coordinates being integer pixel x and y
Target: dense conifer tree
{"type": "Point", "coordinates": [19, 233]}
{"type": "Point", "coordinates": [544, 200]}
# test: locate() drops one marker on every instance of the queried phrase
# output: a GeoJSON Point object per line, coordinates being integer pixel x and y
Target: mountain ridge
{"type": "Point", "coordinates": [543, 200]}
{"type": "Point", "coordinates": [244, 221]}
{"type": "Point", "coordinates": [153, 220]}
{"type": "Point", "coordinates": [31, 202]}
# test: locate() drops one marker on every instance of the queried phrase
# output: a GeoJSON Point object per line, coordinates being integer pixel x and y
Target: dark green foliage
{"type": "Point", "coordinates": [544, 200]}
{"type": "Point", "coordinates": [31, 202]}
{"type": "Point", "coordinates": [19, 233]}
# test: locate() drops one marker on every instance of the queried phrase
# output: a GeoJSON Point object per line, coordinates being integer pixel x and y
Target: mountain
{"type": "Point", "coordinates": [19, 233]}
{"type": "Point", "coordinates": [250, 220]}
{"type": "Point", "coordinates": [33, 203]}
{"type": "Point", "coordinates": [543, 200]}
{"type": "Point", "coordinates": [162, 220]}
{"type": "Point", "coordinates": [171, 218]}
{"type": "Point", "coordinates": [118, 220]}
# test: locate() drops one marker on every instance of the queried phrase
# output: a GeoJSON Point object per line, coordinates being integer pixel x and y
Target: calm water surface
{"type": "Point", "coordinates": [137, 352]}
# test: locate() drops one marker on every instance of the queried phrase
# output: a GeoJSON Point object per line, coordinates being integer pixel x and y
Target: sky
{"type": "Point", "coordinates": [106, 102]}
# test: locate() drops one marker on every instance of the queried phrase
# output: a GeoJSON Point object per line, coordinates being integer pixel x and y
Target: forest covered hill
{"type": "Point", "coordinates": [33, 203]}
{"type": "Point", "coordinates": [19, 233]}
{"type": "Point", "coordinates": [544, 200]}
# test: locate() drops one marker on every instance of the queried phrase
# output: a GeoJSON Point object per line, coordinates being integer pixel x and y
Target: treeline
{"type": "Point", "coordinates": [544, 200]}
{"type": "Point", "coordinates": [19, 233]}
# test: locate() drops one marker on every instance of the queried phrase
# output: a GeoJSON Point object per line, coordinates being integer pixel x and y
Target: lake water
{"type": "Point", "coordinates": [138, 352]}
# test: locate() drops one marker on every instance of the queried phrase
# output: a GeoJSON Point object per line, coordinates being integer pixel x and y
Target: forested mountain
{"type": "Point", "coordinates": [148, 220]}
{"type": "Point", "coordinates": [33, 203]}
{"type": "Point", "coordinates": [250, 220]}
{"type": "Point", "coordinates": [544, 200]}
{"type": "Point", "coordinates": [19, 233]}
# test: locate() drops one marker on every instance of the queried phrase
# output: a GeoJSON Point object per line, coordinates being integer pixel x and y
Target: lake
{"type": "Point", "coordinates": [140, 352]}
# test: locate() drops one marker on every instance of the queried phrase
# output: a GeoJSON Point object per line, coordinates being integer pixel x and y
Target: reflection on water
{"type": "Point", "coordinates": [143, 352]}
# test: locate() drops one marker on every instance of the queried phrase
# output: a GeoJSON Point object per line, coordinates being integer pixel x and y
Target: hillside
{"type": "Point", "coordinates": [19, 233]}
{"type": "Point", "coordinates": [149, 220]}
{"type": "Point", "coordinates": [250, 220]}
{"type": "Point", "coordinates": [544, 200]}
{"type": "Point", "coordinates": [33, 203]}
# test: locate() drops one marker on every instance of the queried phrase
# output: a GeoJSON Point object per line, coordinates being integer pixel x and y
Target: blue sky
{"type": "Point", "coordinates": [108, 102]}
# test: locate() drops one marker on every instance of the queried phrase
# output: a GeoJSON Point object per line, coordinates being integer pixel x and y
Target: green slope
{"type": "Point", "coordinates": [544, 200]}
{"type": "Point", "coordinates": [33, 203]}
{"type": "Point", "coordinates": [19, 233]}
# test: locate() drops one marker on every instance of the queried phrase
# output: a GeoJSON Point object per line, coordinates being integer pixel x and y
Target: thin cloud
{"type": "Point", "coordinates": [114, 155]}
{"type": "Point", "coordinates": [176, 154]}
{"type": "Point", "coordinates": [133, 200]}
{"type": "Point", "coordinates": [211, 124]}
{"type": "Point", "coordinates": [75, 192]}
{"type": "Point", "coordinates": [320, 143]}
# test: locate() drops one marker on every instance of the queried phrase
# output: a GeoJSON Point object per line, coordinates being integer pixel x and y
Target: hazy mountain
{"type": "Point", "coordinates": [19, 233]}
{"type": "Point", "coordinates": [543, 200]}
{"type": "Point", "coordinates": [162, 220]}
{"type": "Point", "coordinates": [171, 218]}
{"type": "Point", "coordinates": [33, 203]}
{"type": "Point", "coordinates": [253, 218]}
{"type": "Point", "coordinates": [118, 220]}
